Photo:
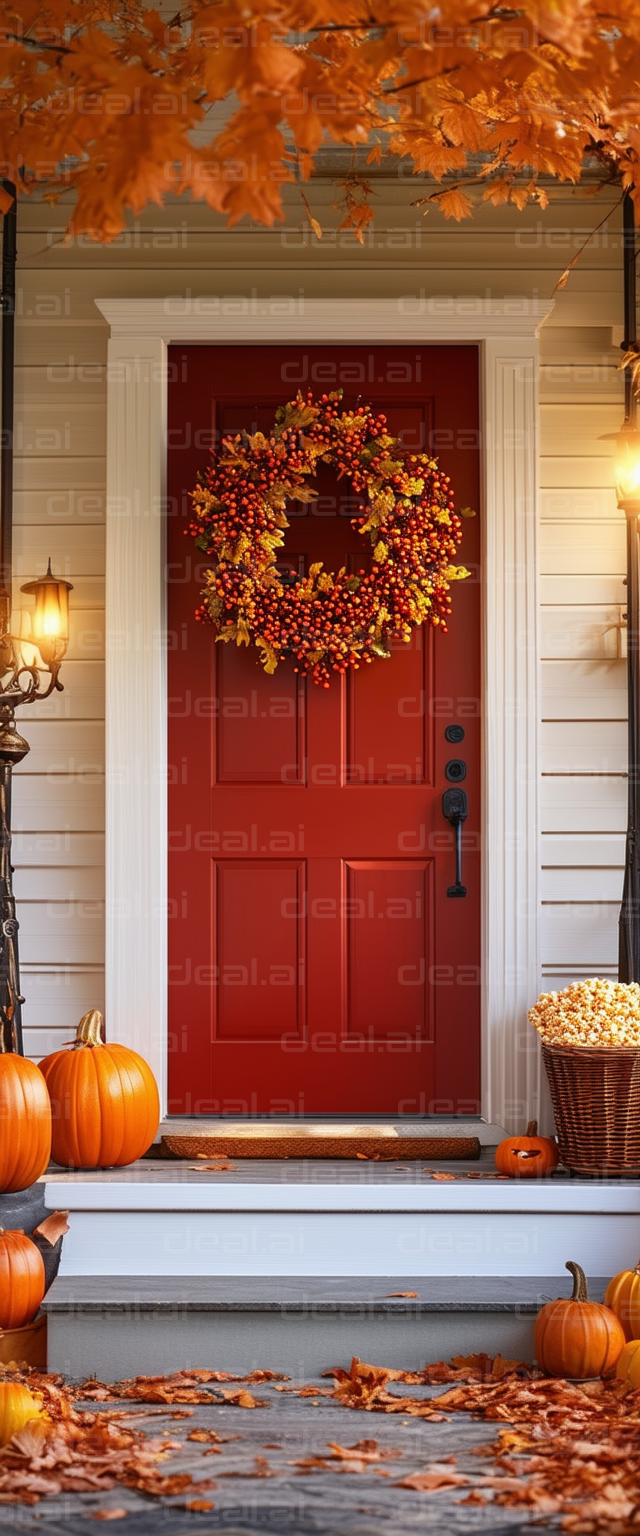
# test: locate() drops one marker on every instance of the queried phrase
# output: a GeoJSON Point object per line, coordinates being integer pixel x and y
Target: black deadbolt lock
{"type": "Point", "coordinates": [454, 733]}
{"type": "Point", "coordinates": [455, 770]}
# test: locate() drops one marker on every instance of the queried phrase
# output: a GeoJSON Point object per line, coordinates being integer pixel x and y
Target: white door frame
{"type": "Point", "coordinates": [506, 332]}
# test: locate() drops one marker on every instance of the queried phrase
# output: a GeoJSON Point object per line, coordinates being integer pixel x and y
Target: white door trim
{"type": "Point", "coordinates": [136, 812]}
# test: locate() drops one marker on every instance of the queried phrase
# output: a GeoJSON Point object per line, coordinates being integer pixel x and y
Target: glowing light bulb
{"type": "Point", "coordinates": [628, 466]}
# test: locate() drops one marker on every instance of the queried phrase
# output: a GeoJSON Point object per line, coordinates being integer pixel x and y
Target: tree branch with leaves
{"type": "Point", "coordinates": [111, 100]}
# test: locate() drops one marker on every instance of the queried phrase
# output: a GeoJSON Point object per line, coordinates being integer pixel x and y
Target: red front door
{"type": "Point", "coordinates": [317, 964]}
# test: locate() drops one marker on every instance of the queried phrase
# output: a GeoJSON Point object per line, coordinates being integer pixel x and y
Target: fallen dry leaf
{"type": "Point", "coordinates": [210, 1436]}
{"type": "Point", "coordinates": [53, 1227]}
{"type": "Point", "coordinates": [217, 1167]}
{"type": "Point", "coordinates": [429, 1482]}
{"type": "Point", "coordinates": [109, 1514]}
{"type": "Point", "coordinates": [260, 1468]}
{"type": "Point", "coordinates": [401, 1293]}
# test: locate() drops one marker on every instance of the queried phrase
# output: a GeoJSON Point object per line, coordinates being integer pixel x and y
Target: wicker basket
{"type": "Point", "coordinates": [596, 1102]}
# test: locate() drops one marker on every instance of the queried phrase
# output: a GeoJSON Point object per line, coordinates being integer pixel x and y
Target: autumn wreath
{"type": "Point", "coordinates": [327, 621]}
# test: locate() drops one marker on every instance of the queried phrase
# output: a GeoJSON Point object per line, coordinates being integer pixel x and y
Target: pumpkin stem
{"type": "Point", "coordinates": [580, 1292]}
{"type": "Point", "coordinates": [532, 1128]}
{"type": "Point", "coordinates": [90, 1029]}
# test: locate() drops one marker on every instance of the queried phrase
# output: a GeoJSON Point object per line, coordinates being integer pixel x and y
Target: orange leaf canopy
{"type": "Point", "coordinates": [229, 100]}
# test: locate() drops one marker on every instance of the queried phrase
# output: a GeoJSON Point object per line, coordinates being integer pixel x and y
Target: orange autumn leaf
{"type": "Point", "coordinates": [218, 1167]}
{"type": "Point", "coordinates": [430, 1482]}
{"type": "Point", "coordinates": [401, 1293]}
{"type": "Point", "coordinates": [260, 1468]}
{"type": "Point", "coordinates": [53, 1227]}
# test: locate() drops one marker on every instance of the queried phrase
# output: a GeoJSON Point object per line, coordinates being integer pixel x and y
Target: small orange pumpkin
{"type": "Point", "coordinates": [17, 1407]}
{"type": "Point", "coordinates": [577, 1338]}
{"type": "Point", "coordinates": [22, 1279]}
{"type": "Point", "coordinates": [25, 1123]}
{"type": "Point", "coordinates": [628, 1366]}
{"type": "Point", "coordinates": [623, 1296]}
{"type": "Point", "coordinates": [104, 1100]}
{"type": "Point", "coordinates": [529, 1156]}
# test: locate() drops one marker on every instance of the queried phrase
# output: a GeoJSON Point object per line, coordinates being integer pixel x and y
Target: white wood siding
{"type": "Point", "coordinates": [60, 441]}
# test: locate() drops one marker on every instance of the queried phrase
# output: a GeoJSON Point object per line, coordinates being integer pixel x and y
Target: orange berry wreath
{"type": "Point", "coordinates": [327, 621]}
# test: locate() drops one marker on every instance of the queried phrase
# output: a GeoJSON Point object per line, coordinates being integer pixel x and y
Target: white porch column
{"type": "Point", "coordinates": [136, 700]}
{"type": "Point", "coordinates": [511, 1061]}
{"type": "Point", "coordinates": [506, 333]}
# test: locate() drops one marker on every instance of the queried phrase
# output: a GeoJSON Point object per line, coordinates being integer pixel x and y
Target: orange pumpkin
{"type": "Point", "coordinates": [577, 1338]}
{"type": "Point", "coordinates": [628, 1366]}
{"type": "Point", "coordinates": [104, 1101]}
{"type": "Point", "coordinates": [25, 1123]}
{"type": "Point", "coordinates": [623, 1296]}
{"type": "Point", "coordinates": [527, 1157]}
{"type": "Point", "coordinates": [22, 1279]}
{"type": "Point", "coordinates": [17, 1407]}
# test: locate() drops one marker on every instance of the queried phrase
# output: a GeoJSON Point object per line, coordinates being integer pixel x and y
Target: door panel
{"type": "Point", "coordinates": [259, 988]}
{"type": "Point", "coordinates": [259, 729]}
{"type": "Point", "coordinates": [389, 915]}
{"type": "Point", "coordinates": [317, 965]}
{"type": "Point", "coordinates": [390, 736]}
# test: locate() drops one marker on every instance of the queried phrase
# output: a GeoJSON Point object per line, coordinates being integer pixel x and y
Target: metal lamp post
{"type": "Point", "coordinates": [628, 494]}
{"type": "Point", "coordinates": [23, 678]}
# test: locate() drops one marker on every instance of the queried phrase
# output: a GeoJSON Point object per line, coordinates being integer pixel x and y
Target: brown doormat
{"type": "Point", "coordinates": [382, 1143]}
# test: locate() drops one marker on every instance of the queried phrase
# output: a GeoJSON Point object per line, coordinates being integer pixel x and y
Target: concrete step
{"type": "Point", "coordinates": [136, 1325]}
{"type": "Point", "coordinates": [324, 1219]}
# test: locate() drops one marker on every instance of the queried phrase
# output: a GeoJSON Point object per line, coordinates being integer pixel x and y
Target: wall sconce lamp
{"type": "Point", "coordinates": [23, 681]}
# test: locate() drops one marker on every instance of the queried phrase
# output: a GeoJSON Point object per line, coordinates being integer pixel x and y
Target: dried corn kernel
{"type": "Point", "coordinates": [589, 1013]}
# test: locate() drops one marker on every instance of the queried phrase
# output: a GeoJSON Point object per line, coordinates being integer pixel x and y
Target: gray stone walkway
{"type": "Point", "coordinates": [287, 1501]}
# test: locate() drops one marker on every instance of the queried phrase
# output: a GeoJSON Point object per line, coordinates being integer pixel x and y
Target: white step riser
{"type": "Point", "coordinates": [142, 1344]}
{"type": "Point", "coordinates": [281, 1242]}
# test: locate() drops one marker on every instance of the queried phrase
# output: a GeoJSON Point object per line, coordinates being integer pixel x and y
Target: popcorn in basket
{"type": "Point", "coordinates": [590, 1036]}
{"type": "Point", "coordinates": [589, 1013]}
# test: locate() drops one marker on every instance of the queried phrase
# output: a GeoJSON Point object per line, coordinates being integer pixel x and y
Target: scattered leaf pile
{"type": "Point", "coordinates": [563, 1450]}
{"type": "Point", "coordinates": [76, 1451]}
{"type": "Point", "coordinates": [574, 1450]}
{"type": "Point", "coordinates": [196, 1386]}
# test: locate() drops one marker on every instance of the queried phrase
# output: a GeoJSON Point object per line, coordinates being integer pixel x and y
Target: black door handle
{"type": "Point", "coordinates": [456, 810]}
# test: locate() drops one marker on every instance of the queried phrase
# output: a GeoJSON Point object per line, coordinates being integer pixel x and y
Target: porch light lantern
{"type": "Point", "coordinates": [50, 622]}
{"type": "Point", "coordinates": [627, 470]}
{"type": "Point", "coordinates": [23, 680]}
